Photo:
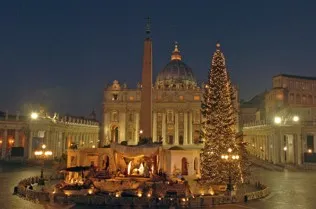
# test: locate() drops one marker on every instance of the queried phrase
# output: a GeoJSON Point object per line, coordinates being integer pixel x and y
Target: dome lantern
{"type": "Point", "coordinates": [176, 53]}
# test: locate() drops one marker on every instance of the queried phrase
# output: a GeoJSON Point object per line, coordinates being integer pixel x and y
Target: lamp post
{"type": "Point", "coordinates": [42, 154]}
{"type": "Point", "coordinates": [229, 158]}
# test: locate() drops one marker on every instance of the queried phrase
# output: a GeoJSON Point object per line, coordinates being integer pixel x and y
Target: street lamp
{"type": "Point", "coordinates": [43, 154]}
{"type": "Point", "coordinates": [296, 118]}
{"type": "Point", "coordinates": [229, 158]}
{"type": "Point", "coordinates": [34, 115]}
{"type": "Point", "coordinates": [277, 120]}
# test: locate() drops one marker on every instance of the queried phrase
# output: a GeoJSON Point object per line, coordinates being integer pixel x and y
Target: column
{"type": "Point", "coordinates": [29, 144]}
{"type": "Point", "coordinates": [16, 138]}
{"type": "Point", "coordinates": [122, 126]}
{"type": "Point", "coordinates": [185, 128]}
{"type": "Point", "coordinates": [314, 142]}
{"type": "Point", "coordinates": [136, 128]}
{"type": "Point", "coordinates": [298, 147]}
{"type": "Point", "coordinates": [190, 128]}
{"type": "Point", "coordinates": [106, 124]}
{"type": "Point", "coordinates": [176, 128]}
{"type": "Point", "coordinates": [154, 126]}
{"type": "Point", "coordinates": [164, 128]}
{"type": "Point", "coordinates": [4, 144]}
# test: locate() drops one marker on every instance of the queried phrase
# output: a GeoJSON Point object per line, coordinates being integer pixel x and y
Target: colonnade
{"type": "Point", "coordinates": [10, 137]}
{"type": "Point", "coordinates": [280, 145]}
{"type": "Point", "coordinates": [59, 141]}
{"type": "Point", "coordinates": [123, 125]}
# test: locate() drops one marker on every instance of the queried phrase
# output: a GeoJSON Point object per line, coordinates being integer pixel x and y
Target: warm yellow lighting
{"type": "Point", "coordinates": [141, 131]}
{"type": "Point", "coordinates": [159, 198]}
{"type": "Point", "coordinates": [237, 157]}
{"type": "Point", "coordinates": [148, 195]}
{"type": "Point", "coordinates": [310, 150]}
{"type": "Point", "coordinates": [277, 120]}
{"type": "Point", "coordinates": [139, 194]}
{"type": "Point", "coordinates": [48, 153]}
{"type": "Point", "coordinates": [90, 191]}
{"type": "Point", "coordinates": [38, 153]}
{"type": "Point", "coordinates": [43, 146]}
{"type": "Point", "coordinates": [296, 118]}
{"type": "Point", "coordinates": [0, 141]}
{"type": "Point", "coordinates": [230, 150]}
{"type": "Point", "coordinates": [233, 157]}
{"type": "Point", "coordinates": [226, 157]}
{"type": "Point", "coordinates": [117, 194]}
{"type": "Point", "coordinates": [285, 148]}
{"type": "Point", "coordinates": [93, 146]}
{"type": "Point", "coordinates": [183, 199]}
{"type": "Point", "coordinates": [11, 141]}
{"type": "Point", "coordinates": [223, 157]}
{"type": "Point", "coordinates": [34, 115]}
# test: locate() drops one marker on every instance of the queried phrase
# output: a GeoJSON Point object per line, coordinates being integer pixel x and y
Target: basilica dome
{"type": "Point", "coordinates": [176, 73]}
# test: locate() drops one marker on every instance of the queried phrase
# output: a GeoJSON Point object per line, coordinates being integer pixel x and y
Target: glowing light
{"type": "Point", "coordinates": [141, 169]}
{"type": "Point", "coordinates": [141, 131]}
{"type": "Point", "coordinates": [117, 194]}
{"type": "Point", "coordinates": [277, 120]}
{"type": "Point", "coordinates": [48, 153]}
{"type": "Point", "coordinates": [0, 141]}
{"type": "Point", "coordinates": [139, 194]}
{"type": "Point", "coordinates": [230, 150]}
{"type": "Point", "coordinates": [90, 191]}
{"type": "Point", "coordinates": [93, 146]}
{"type": "Point", "coordinates": [183, 199]}
{"type": "Point", "coordinates": [296, 118]}
{"type": "Point", "coordinates": [34, 115]}
{"type": "Point", "coordinates": [129, 168]}
{"type": "Point", "coordinates": [148, 195]}
{"type": "Point", "coordinates": [285, 148]}
{"type": "Point", "coordinates": [310, 150]}
{"type": "Point", "coordinates": [38, 153]}
{"type": "Point", "coordinates": [43, 146]}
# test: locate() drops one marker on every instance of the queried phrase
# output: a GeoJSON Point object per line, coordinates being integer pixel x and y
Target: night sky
{"type": "Point", "coordinates": [63, 53]}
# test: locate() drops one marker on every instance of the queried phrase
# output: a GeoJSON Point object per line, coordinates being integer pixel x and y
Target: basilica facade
{"type": "Point", "coordinates": [176, 102]}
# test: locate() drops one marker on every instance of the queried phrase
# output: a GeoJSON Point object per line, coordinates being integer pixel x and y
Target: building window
{"type": "Point", "coordinates": [114, 116]}
{"type": "Point", "coordinates": [310, 99]}
{"type": "Point", "coordinates": [170, 117]}
{"type": "Point", "coordinates": [310, 142]}
{"type": "Point", "coordinates": [197, 117]}
{"type": "Point", "coordinates": [298, 99]}
{"type": "Point", "coordinates": [131, 98]}
{"type": "Point", "coordinates": [114, 97]}
{"type": "Point", "coordinates": [304, 99]}
{"type": "Point", "coordinates": [130, 117]}
{"type": "Point", "coordinates": [292, 98]}
{"type": "Point", "coordinates": [196, 98]}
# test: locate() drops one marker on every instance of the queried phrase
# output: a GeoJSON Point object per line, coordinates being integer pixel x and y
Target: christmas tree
{"type": "Point", "coordinates": [220, 157]}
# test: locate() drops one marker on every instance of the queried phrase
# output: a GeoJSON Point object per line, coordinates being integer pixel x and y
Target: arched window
{"type": "Point", "coordinates": [310, 99]}
{"type": "Point", "coordinates": [196, 164]}
{"type": "Point", "coordinates": [298, 99]}
{"type": "Point", "coordinates": [184, 170]}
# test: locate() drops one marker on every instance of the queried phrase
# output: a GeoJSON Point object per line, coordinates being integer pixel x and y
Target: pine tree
{"type": "Point", "coordinates": [219, 126]}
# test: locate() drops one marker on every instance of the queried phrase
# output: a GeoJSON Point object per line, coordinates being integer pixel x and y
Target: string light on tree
{"type": "Point", "coordinates": [219, 125]}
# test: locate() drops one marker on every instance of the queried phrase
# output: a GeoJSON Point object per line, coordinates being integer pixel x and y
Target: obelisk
{"type": "Point", "coordinates": [146, 90]}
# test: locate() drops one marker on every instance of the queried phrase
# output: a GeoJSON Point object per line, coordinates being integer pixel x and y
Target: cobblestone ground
{"type": "Point", "coordinates": [289, 190]}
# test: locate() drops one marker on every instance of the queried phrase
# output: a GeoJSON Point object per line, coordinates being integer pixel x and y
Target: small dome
{"type": "Point", "coordinates": [176, 72]}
